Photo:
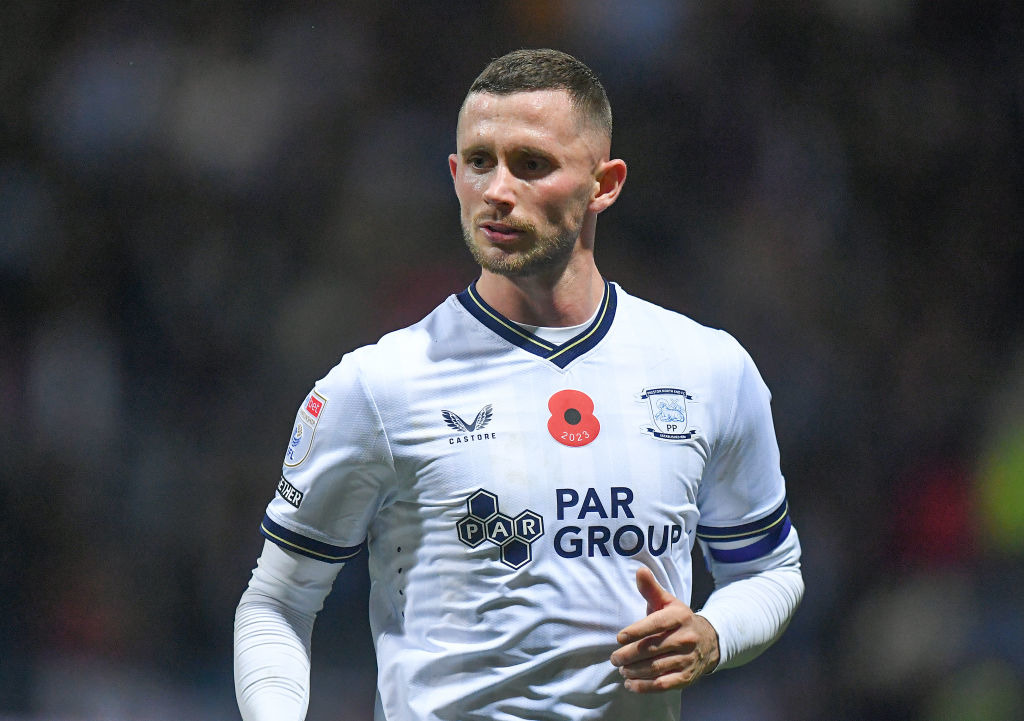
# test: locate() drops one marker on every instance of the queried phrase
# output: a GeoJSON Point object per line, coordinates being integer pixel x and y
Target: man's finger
{"type": "Point", "coordinates": [656, 596]}
{"type": "Point", "coordinates": [654, 667]}
{"type": "Point", "coordinates": [657, 599]}
{"type": "Point", "coordinates": [647, 647]}
{"type": "Point", "coordinates": [657, 622]}
{"type": "Point", "coordinates": [662, 683]}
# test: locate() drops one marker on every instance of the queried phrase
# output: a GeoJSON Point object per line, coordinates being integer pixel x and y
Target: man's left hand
{"type": "Point", "coordinates": [670, 648]}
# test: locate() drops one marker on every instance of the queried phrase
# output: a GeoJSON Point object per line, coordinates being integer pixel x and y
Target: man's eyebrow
{"type": "Point", "coordinates": [532, 150]}
{"type": "Point", "coordinates": [487, 149]}
{"type": "Point", "coordinates": [476, 148]}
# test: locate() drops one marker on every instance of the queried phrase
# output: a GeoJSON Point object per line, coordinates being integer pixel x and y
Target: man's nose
{"type": "Point", "coordinates": [499, 191]}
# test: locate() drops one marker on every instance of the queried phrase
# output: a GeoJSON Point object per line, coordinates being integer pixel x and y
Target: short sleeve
{"type": "Point", "coordinates": [744, 514]}
{"type": "Point", "coordinates": [337, 470]}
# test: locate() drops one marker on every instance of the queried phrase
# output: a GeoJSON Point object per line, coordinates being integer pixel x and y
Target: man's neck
{"type": "Point", "coordinates": [565, 299]}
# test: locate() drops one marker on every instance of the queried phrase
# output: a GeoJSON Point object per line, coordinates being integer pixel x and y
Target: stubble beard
{"type": "Point", "coordinates": [548, 253]}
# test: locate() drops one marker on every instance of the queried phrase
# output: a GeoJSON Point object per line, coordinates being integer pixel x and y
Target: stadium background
{"type": "Point", "coordinates": [202, 205]}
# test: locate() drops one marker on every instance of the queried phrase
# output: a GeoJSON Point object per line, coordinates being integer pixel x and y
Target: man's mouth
{"type": "Point", "coordinates": [500, 232]}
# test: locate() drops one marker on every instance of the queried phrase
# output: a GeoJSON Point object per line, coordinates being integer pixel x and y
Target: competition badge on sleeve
{"type": "Point", "coordinates": [669, 420]}
{"type": "Point", "coordinates": [305, 426]}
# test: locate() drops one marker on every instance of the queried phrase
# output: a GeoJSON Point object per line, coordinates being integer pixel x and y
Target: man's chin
{"type": "Point", "coordinates": [509, 267]}
{"type": "Point", "coordinates": [522, 265]}
{"type": "Point", "coordinates": [503, 260]}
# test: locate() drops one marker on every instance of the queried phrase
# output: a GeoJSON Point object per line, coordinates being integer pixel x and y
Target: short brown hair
{"type": "Point", "coordinates": [545, 69]}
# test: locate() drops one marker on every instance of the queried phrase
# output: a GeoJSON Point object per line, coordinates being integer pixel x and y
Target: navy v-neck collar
{"type": "Point", "coordinates": [559, 354]}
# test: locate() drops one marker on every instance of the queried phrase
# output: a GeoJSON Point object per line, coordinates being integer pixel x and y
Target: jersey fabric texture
{"type": "Point", "coordinates": [508, 488]}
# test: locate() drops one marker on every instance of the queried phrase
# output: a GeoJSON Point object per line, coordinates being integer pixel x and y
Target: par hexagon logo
{"type": "Point", "coordinates": [513, 536]}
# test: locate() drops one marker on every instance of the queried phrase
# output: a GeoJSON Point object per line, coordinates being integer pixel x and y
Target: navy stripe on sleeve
{"type": "Point", "coordinates": [292, 541]}
{"type": "Point", "coordinates": [748, 541]}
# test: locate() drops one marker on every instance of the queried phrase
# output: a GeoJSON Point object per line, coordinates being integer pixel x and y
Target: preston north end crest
{"type": "Point", "coordinates": [669, 419]}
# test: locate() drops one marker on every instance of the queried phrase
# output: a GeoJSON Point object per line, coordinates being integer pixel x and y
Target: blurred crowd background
{"type": "Point", "coordinates": [204, 204]}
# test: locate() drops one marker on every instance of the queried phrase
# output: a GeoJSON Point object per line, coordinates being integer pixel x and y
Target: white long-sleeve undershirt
{"type": "Point", "coordinates": [753, 602]}
{"type": "Point", "coordinates": [273, 628]}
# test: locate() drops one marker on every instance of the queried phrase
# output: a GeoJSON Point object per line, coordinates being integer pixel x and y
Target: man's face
{"type": "Point", "coordinates": [525, 174]}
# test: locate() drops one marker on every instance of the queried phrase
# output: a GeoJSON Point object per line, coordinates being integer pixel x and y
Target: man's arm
{"type": "Point", "coordinates": [273, 626]}
{"type": "Point", "coordinates": [754, 601]}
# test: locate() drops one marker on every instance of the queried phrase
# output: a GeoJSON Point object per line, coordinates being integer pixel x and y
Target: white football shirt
{"type": "Point", "coordinates": [508, 487]}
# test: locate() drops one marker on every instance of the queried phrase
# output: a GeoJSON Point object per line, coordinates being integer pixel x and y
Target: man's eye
{"type": "Point", "coordinates": [477, 161]}
{"type": "Point", "coordinates": [535, 165]}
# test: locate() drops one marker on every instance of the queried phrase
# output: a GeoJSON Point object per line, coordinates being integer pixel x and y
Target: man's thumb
{"type": "Point", "coordinates": [656, 596]}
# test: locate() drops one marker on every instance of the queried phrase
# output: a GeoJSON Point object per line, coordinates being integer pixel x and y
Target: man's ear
{"type": "Point", "coordinates": [610, 177]}
{"type": "Point", "coordinates": [453, 164]}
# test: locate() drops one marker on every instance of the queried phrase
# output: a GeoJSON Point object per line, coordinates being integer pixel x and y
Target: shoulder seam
{"type": "Point", "coordinates": [734, 397]}
{"type": "Point", "coordinates": [376, 411]}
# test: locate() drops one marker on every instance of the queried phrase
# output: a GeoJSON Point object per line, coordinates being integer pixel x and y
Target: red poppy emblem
{"type": "Point", "coordinates": [572, 421]}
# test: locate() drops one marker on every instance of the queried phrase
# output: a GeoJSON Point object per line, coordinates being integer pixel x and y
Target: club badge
{"type": "Point", "coordinates": [669, 417]}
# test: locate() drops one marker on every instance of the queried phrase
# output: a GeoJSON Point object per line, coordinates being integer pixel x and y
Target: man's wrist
{"type": "Point", "coordinates": [710, 653]}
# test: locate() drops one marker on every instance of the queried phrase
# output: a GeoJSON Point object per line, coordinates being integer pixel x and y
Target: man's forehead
{"type": "Point", "coordinates": [553, 97]}
{"type": "Point", "coordinates": [537, 106]}
{"type": "Point", "coordinates": [549, 112]}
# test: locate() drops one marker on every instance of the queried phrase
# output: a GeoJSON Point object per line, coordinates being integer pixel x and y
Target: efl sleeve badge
{"type": "Point", "coordinates": [306, 421]}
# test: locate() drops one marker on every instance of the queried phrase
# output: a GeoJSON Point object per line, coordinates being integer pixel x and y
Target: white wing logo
{"type": "Point", "coordinates": [456, 423]}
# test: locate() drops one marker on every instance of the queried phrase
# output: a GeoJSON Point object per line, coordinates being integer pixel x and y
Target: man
{"type": "Point", "coordinates": [534, 562]}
